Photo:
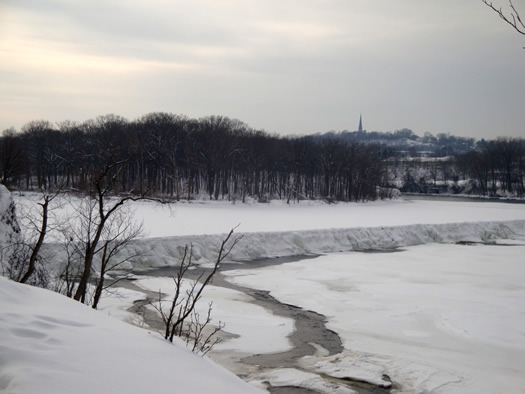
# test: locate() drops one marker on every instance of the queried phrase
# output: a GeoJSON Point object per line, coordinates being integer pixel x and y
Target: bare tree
{"type": "Point", "coordinates": [68, 276]}
{"type": "Point", "coordinates": [26, 265]}
{"type": "Point", "coordinates": [41, 231]}
{"type": "Point", "coordinates": [119, 232]}
{"type": "Point", "coordinates": [196, 334]}
{"type": "Point", "coordinates": [11, 157]}
{"type": "Point", "coordinates": [183, 303]}
{"type": "Point", "coordinates": [101, 206]}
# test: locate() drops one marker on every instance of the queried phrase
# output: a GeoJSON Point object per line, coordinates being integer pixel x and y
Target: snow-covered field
{"type": "Point", "coordinates": [214, 217]}
{"type": "Point", "coordinates": [436, 317]}
{"type": "Point", "coordinates": [217, 217]}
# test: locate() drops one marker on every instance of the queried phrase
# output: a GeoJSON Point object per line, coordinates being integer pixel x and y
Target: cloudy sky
{"type": "Point", "coordinates": [286, 66]}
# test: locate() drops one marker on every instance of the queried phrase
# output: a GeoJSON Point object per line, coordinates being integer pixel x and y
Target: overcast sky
{"type": "Point", "coordinates": [286, 66]}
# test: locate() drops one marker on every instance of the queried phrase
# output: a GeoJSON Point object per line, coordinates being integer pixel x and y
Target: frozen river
{"type": "Point", "coordinates": [438, 317]}
{"type": "Point", "coordinates": [434, 318]}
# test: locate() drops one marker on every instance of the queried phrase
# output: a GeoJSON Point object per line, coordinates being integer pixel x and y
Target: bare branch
{"type": "Point", "coordinates": [182, 319]}
{"type": "Point", "coordinates": [514, 19]}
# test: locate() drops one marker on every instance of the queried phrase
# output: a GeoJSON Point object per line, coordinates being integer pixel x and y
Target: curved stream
{"type": "Point", "coordinates": [310, 334]}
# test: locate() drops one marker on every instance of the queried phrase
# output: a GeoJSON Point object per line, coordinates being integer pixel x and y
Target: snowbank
{"type": "Point", "coordinates": [169, 250]}
{"type": "Point", "coordinates": [9, 229]}
{"type": "Point", "coordinates": [51, 344]}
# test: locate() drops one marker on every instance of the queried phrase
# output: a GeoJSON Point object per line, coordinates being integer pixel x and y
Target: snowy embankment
{"type": "Point", "coordinates": [169, 250]}
{"type": "Point", "coordinates": [52, 344]}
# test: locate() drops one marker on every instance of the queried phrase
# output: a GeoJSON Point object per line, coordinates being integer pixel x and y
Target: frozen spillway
{"type": "Point", "coordinates": [169, 250]}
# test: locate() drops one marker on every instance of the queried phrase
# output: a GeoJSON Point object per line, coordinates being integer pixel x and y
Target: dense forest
{"type": "Point", "coordinates": [214, 157]}
{"type": "Point", "coordinates": [167, 155]}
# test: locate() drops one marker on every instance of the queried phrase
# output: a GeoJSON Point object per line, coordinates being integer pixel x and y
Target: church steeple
{"type": "Point", "coordinates": [360, 123]}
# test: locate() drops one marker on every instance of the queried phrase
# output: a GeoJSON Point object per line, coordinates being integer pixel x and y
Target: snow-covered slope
{"type": "Point", "coordinates": [51, 344]}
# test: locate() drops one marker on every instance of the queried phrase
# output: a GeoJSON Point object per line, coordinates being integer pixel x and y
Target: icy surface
{"type": "Point", "coordinates": [443, 318]}
{"type": "Point", "coordinates": [219, 217]}
{"type": "Point", "coordinates": [242, 318]}
{"type": "Point", "coordinates": [286, 377]}
{"type": "Point", "coordinates": [51, 344]}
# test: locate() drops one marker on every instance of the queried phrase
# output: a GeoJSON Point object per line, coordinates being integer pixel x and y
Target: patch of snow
{"type": "Point", "coordinates": [52, 344]}
{"type": "Point", "coordinates": [243, 318]}
{"type": "Point", "coordinates": [434, 318]}
{"type": "Point", "coordinates": [284, 377]}
{"type": "Point", "coordinates": [354, 367]}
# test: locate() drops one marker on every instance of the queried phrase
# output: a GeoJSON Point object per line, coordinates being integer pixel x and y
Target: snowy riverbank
{"type": "Point", "coordinates": [52, 344]}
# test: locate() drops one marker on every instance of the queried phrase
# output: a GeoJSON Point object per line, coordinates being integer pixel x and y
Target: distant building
{"type": "Point", "coordinates": [360, 124]}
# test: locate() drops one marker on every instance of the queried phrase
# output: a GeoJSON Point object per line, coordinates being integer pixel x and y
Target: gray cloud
{"type": "Point", "coordinates": [288, 67]}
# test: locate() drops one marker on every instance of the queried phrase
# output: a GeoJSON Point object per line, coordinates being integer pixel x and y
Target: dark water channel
{"type": "Point", "coordinates": [310, 327]}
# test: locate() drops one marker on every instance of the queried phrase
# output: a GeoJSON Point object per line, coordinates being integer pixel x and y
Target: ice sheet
{"type": "Point", "coordinates": [449, 318]}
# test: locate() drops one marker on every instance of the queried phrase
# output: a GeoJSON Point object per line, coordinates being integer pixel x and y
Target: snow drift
{"type": "Point", "coordinates": [52, 344]}
{"type": "Point", "coordinates": [169, 250]}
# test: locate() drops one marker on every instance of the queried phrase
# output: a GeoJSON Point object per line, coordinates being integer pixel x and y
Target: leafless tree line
{"type": "Point", "coordinates": [170, 155]}
{"type": "Point", "coordinates": [493, 168]}
{"type": "Point", "coordinates": [102, 226]}
{"type": "Point", "coordinates": [497, 166]}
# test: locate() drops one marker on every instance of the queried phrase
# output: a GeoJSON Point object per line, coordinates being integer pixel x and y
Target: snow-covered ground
{"type": "Point", "coordinates": [255, 329]}
{"type": "Point", "coordinates": [51, 344]}
{"type": "Point", "coordinates": [434, 318]}
{"type": "Point", "coordinates": [219, 217]}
